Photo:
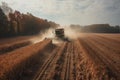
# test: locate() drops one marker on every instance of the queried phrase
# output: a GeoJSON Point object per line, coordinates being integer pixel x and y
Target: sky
{"type": "Point", "coordinates": [65, 12]}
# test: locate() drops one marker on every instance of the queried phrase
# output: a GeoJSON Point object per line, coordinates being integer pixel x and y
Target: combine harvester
{"type": "Point", "coordinates": [59, 34]}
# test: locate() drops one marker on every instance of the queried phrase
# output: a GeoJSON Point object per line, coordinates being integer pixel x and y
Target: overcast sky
{"type": "Point", "coordinates": [67, 12]}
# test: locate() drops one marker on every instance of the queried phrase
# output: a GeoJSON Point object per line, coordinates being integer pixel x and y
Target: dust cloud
{"type": "Point", "coordinates": [70, 33]}
{"type": "Point", "coordinates": [41, 36]}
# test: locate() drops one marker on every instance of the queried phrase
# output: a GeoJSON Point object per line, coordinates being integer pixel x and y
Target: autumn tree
{"type": "Point", "coordinates": [3, 24]}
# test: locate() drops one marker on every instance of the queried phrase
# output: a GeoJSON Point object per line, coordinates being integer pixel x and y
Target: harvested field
{"type": "Point", "coordinates": [12, 46]}
{"type": "Point", "coordinates": [90, 57]}
{"type": "Point", "coordinates": [12, 65]}
{"type": "Point", "coordinates": [5, 41]}
{"type": "Point", "coordinates": [105, 56]}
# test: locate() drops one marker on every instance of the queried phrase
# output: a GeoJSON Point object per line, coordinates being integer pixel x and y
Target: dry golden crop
{"type": "Point", "coordinates": [14, 63]}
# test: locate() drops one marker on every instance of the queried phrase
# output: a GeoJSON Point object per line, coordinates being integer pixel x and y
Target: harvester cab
{"type": "Point", "coordinates": [59, 33]}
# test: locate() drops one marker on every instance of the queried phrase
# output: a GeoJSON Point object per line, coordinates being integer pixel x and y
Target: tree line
{"type": "Point", "coordinates": [17, 23]}
{"type": "Point", "coordinates": [97, 28]}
